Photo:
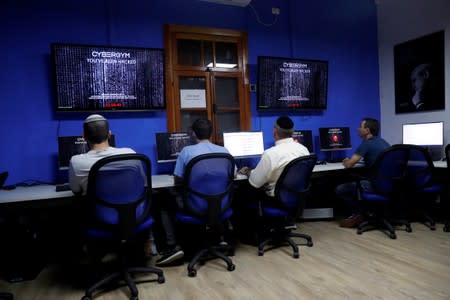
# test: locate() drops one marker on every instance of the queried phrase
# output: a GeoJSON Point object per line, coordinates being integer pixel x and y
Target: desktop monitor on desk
{"type": "Point", "coordinates": [170, 144]}
{"type": "Point", "coordinates": [305, 138]}
{"type": "Point", "coordinates": [429, 135]}
{"type": "Point", "coordinates": [69, 146]}
{"type": "Point", "coordinates": [244, 144]}
{"type": "Point", "coordinates": [334, 139]}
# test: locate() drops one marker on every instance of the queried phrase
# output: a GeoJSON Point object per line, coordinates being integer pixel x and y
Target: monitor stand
{"type": "Point", "coordinates": [335, 156]}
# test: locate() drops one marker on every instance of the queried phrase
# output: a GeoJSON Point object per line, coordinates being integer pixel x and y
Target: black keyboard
{"type": "Point", "coordinates": [62, 187]}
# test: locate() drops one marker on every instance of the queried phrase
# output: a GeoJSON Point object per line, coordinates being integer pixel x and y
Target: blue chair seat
{"type": "Point", "coordinates": [191, 219]}
{"type": "Point", "coordinates": [435, 188]}
{"type": "Point", "coordinates": [367, 196]}
{"type": "Point", "coordinates": [98, 233]}
{"type": "Point", "coordinates": [271, 211]}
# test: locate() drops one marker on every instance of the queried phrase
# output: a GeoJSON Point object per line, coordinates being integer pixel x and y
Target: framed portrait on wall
{"type": "Point", "coordinates": [419, 74]}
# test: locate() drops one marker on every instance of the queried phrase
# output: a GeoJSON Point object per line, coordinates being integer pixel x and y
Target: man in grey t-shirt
{"type": "Point", "coordinates": [96, 133]}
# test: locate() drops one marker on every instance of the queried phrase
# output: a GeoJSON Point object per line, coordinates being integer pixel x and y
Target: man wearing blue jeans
{"type": "Point", "coordinates": [367, 151]}
{"type": "Point", "coordinates": [202, 130]}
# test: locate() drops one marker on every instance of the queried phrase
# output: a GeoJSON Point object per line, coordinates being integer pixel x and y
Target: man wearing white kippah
{"type": "Point", "coordinates": [96, 133]}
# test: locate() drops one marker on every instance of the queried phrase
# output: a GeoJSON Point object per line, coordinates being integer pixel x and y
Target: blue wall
{"type": "Point", "coordinates": [342, 32]}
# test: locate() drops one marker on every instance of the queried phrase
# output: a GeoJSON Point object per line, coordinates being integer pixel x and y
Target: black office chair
{"type": "Point", "coordinates": [447, 204]}
{"type": "Point", "coordinates": [6, 296]}
{"type": "Point", "coordinates": [207, 197]}
{"type": "Point", "coordinates": [118, 210]}
{"type": "Point", "coordinates": [422, 188]}
{"type": "Point", "coordinates": [290, 192]}
{"type": "Point", "coordinates": [384, 200]}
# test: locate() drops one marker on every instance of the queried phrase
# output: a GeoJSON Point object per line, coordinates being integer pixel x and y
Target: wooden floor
{"type": "Point", "coordinates": [340, 265]}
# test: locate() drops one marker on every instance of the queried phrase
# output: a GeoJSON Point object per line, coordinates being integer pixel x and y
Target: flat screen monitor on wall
{"type": "Point", "coordinates": [170, 144]}
{"type": "Point", "coordinates": [305, 138]}
{"type": "Point", "coordinates": [429, 135]}
{"type": "Point", "coordinates": [292, 84]}
{"type": "Point", "coordinates": [244, 144]}
{"type": "Point", "coordinates": [69, 146]}
{"type": "Point", "coordinates": [107, 78]}
{"type": "Point", "coordinates": [334, 138]}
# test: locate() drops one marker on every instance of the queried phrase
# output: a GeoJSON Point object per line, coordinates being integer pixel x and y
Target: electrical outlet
{"type": "Point", "coordinates": [275, 11]}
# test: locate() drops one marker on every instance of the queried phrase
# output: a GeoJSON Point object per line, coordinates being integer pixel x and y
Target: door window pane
{"type": "Point", "coordinates": [188, 117]}
{"type": "Point", "coordinates": [226, 55]}
{"type": "Point", "coordinates": [227, 91]}
{"type": "Point", "coordinates": [189, 52]}
{"type": "Point", "coordinates": [227, 121]}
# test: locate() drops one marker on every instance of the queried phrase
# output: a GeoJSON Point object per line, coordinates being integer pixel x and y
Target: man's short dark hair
{"type": "Point", "coordinates": [202, 128]}
{"type": "Point", "coordinates": [96, 129]}
{"type": "Point", "coordinates": [373, 125]}
{"type": "Point", "coordinates": [284, 126]}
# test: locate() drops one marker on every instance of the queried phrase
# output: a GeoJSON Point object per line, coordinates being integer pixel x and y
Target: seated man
{"type": "Point", "coordinates": [96, 133]}
{"type": "Point", "coordinates": [262, 179]}
{"type": "Point", "coordinates": [274, 159]}
{"type": "Point", "coordinates": [201, 130]}
{"type": "Point", "coordinates": [368, 150]}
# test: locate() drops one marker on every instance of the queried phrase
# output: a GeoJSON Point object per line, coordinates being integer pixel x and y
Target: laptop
{"type": "Point", "coordinates": [3, 177]}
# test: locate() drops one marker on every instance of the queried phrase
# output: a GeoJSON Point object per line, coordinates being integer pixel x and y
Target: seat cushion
{"type": "Point", "coordinates": [99, 233]}
{"type": "Point", "coordinates": [185, 217]}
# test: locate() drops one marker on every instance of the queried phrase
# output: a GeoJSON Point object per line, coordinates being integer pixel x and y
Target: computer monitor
{"type": "Point", "coordinates": [69, 146]}
{"type": "Point", "coordinates": [170, 144]}
{"type": "Point", "coordinates": [244, 144]}
{"type": "Point", "coordinates": [305, 138]}
{"type": "Point", "coordinates": [334, 138]}
{"type": "Point", "coordinates": [429, 135]}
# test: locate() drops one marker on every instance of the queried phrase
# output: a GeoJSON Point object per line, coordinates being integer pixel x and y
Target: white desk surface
{"type": "Point", "coordinates": [42, 192]}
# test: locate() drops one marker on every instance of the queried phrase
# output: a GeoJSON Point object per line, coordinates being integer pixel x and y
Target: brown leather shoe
{"type": "Point", "coordinates": [351, 221]}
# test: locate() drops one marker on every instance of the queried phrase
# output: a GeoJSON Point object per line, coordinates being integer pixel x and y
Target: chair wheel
{"type": "Point", "coordinates": [433, 227]}
{"type": "Point", "coordinates": [161, 279]}
{"type": "Point", "coordinates": [359, 231]}
{"type": "Point", "coordinates": [409, 229]}
{"type": "Point", "coordinates": [192, 273]}
{"type": "Point", "coordinates": [393, 236]}
{"type": "Point", "coordinates": [446, 228]}
{"type": "Point", "coordinates": [86, 298]}
{"type": "Point", "coordinates": [260, 252]}
{"type": "Point", "coordinates": [309, 244]}
{"type": "Point", "coordinates": [134, 297]}
{"type": "Point", "coordinates": [231, 267]}
{"type": "Point", "coordinates": [296, 255]}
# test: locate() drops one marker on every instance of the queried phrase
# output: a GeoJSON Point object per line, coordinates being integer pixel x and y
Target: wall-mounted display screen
{"type": "Point", "coordinates": [107, 78]}
{"type": "Point", "coordinates": [291, 84]}
{"type": "Point", "coordinates": [334, 138]}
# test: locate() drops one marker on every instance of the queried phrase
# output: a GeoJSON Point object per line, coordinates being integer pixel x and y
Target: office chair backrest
{"type": "Point", "coordinates": [208, 184]}
{"type": "Point", "coordinates": [389, 169]}
{"type": "Point", "coordinates": [294, 180]}
{"type": "Point", "coordinates": [420, 166]}
{"type": "Point", "coordinates": [119, 192]}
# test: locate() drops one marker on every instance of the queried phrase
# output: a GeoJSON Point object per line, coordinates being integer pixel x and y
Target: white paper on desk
{"type": "Point", "coordinates": [193, 98]}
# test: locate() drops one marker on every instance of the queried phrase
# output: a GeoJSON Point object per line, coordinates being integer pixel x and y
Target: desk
{"type": "Point", "coordinates": [47, 192]}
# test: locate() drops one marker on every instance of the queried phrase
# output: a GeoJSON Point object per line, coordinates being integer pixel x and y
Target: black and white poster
{"type": "Point", "coordinates": [419, 74]}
